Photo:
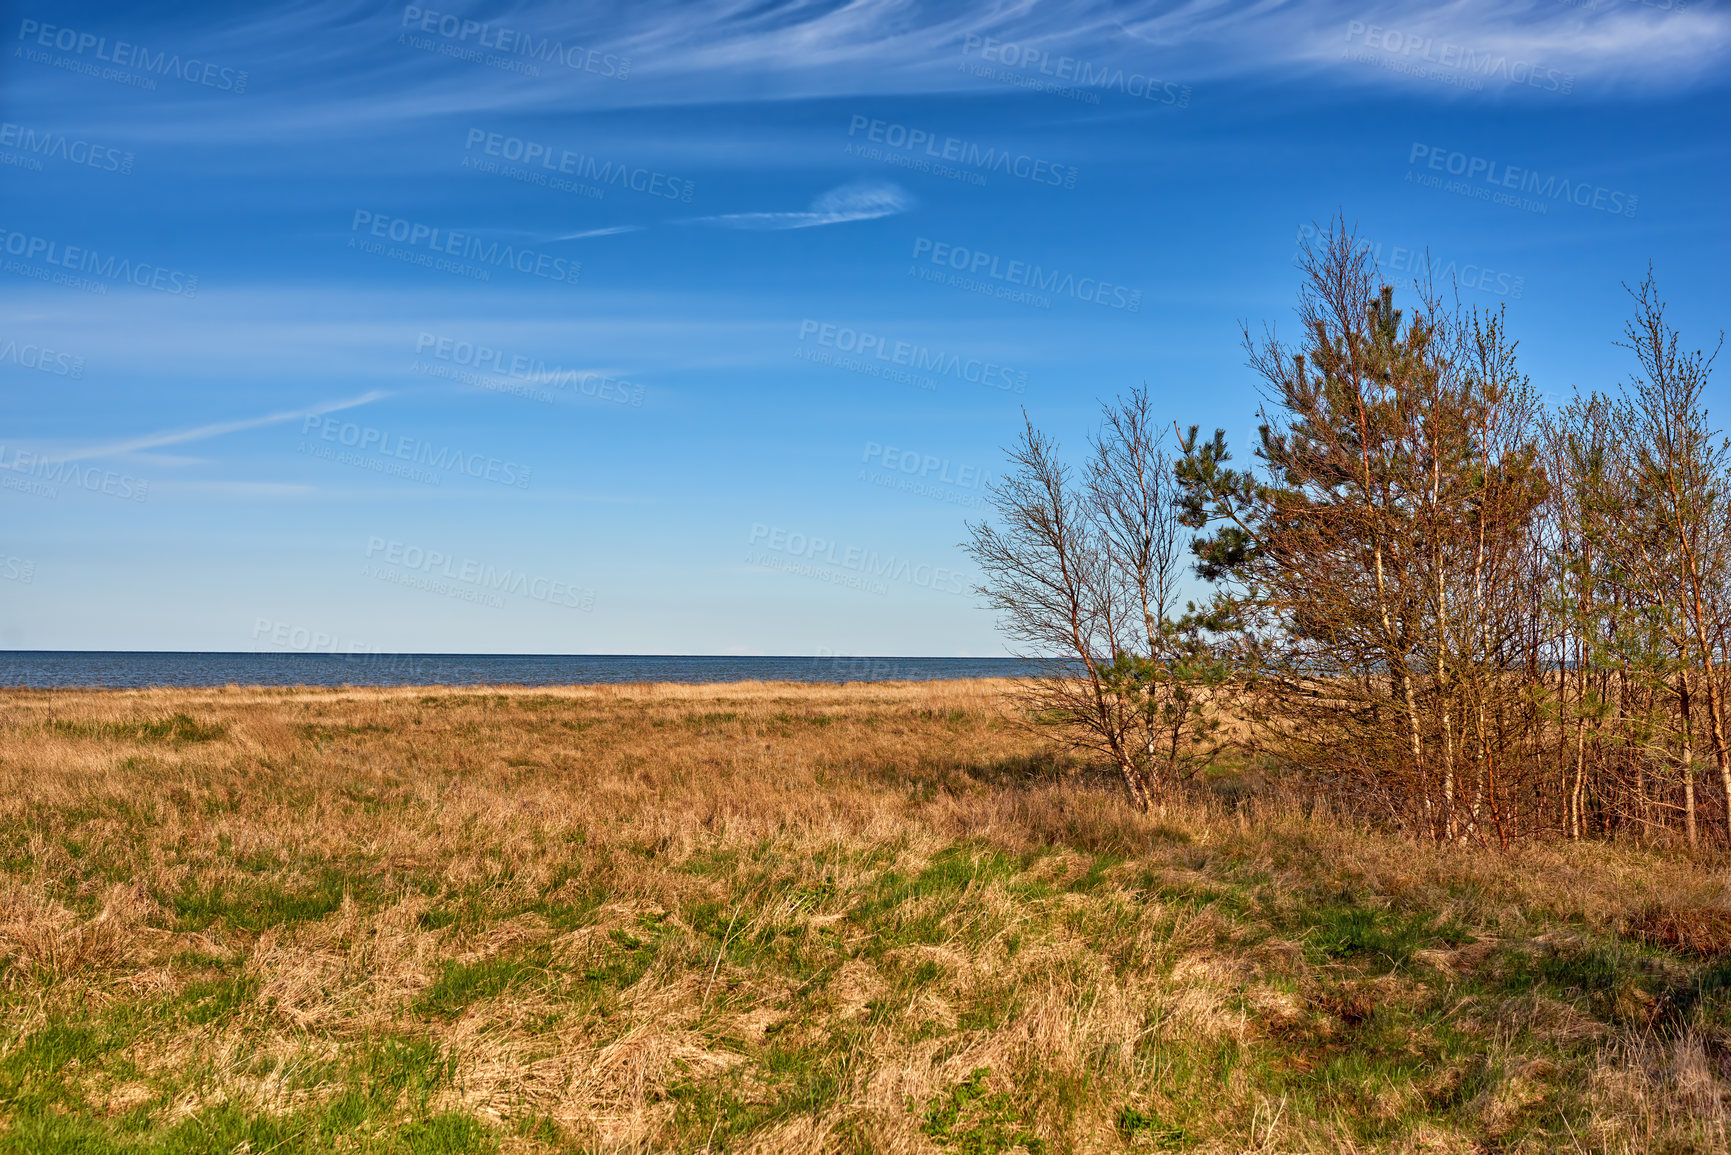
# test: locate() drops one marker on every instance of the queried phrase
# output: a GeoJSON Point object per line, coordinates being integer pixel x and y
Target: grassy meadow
{"type": "Point", "coordinates": [778, 918]}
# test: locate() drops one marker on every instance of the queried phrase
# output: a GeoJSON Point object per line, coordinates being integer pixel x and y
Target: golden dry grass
{"type": "Point", "coordinates": [780, 918]}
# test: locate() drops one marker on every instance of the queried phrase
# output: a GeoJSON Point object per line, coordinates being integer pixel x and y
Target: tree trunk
{"type": "Point", "coordinates": [1688, 760]}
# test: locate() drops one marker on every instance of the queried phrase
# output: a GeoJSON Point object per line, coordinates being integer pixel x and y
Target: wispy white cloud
{"type": "Point", "coordinates": [214, 429]}
{"type": "Point", "coordinates": [861, 201]}
{"type": "Point", "coordinates": [1614, 45]}
{"type": "Point", "coordinates": [366, 337]}
{"type": "Point", "coordinates": [614, 231]}
{"type": "Point", "coordinates": [340, 66]}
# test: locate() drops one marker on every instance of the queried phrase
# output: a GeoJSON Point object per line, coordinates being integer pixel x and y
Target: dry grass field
{"type": "Point", "coordinates": [787, 918]}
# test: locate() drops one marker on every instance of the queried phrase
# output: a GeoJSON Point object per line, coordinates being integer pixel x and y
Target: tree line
{"type": "Point", "coordinates": [1430, 596]}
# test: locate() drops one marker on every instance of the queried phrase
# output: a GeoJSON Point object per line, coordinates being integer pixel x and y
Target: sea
{"type": "Point", "coordinates": [132, 669]}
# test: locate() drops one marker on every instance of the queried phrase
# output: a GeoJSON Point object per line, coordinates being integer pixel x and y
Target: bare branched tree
{"type": "Point", "coordinates": [1084, 573]}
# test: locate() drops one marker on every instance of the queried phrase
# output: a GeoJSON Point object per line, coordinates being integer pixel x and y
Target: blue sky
{"type": "Point", "coordinates": [655, 328]}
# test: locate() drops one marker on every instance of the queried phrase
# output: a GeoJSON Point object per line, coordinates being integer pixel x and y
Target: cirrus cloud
{"type": "Point", "coordinates": [860, 201]}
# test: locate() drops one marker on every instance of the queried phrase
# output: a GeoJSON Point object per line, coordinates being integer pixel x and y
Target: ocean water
{"type": "Point", "coordinates": [120, 669]}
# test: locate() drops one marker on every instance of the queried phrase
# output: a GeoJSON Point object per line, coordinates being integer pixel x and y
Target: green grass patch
{"type": "Point", "coordinates": [34, 1073]}
{"type": "Point", "coordinates": [266, 903]}
{"type": "Point", "coordinates": [210, 1000]}
{"type": "Point", "coordinates": [974, 1121]}
{"type": "Point", "coordinates": [1139, 1127]}
{"type": "Point", "coordinates": [447, 1133]}
{"type": "Point", "coordinates": [462, 984]}
{"type": "Point", "coordinates": [1383, 938]}
{"type": "Point", "coordinates": [794, 1081]}
{"type": "Point", "coordinates": [176, 728]}
{"type": "Point", "coordinates": [949, 872]}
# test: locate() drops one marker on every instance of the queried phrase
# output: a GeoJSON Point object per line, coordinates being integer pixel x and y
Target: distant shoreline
{"type": "Point", "coordinates": [143, 669]}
